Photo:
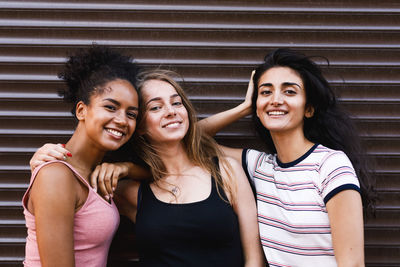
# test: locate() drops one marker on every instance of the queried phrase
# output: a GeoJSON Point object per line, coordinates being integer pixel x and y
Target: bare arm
{"type": "Point", "coordinates": [217, 122]}
{"type": "Point", "coordinates": [53, 199]}
{"type": "Point", "coordinates": [245, 208]}
{"type": "Point", "coordinates": [346, 219]}
{"type": "Point", "coordinates": [106, 175]}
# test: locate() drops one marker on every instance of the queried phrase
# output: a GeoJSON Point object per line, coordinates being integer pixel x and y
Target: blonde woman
{"type": "Point", "coordinates": [198, 208]}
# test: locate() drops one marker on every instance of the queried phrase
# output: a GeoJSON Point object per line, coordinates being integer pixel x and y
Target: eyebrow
{"type": "Point", "coordinates": [284, 84]}
{"type": "Point", "coordinates": [159, 98]}
{"type": "Point", "coordinates": [115, 102]}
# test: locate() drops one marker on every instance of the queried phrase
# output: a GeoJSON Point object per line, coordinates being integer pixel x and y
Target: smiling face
{"type": "Point", "coordinates": [110, 116]}
{"type": "Point", "coordinates": [281, 101]}
{"type": "Point", "coordinates": [165, 118]}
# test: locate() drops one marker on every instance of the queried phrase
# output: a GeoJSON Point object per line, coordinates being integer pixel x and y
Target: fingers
{"type": "Point", "coordinates": [114, 182]}
{"type": "Point", "coordinates": [93, 177]}
{"type": "Point", "coordinates": [105, 175]}
{"type": "Point", "coordinates": [250, 87]}
{"type": "Point", "coordinates": [102, 178]}
{"type": "Point", "coordinates": [49, 152]}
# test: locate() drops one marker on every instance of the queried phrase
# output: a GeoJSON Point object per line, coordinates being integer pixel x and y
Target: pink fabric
{"type": "Point", "coordinates": [94, 227]}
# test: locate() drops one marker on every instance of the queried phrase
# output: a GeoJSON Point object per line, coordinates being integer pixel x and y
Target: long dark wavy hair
{"type": "Point", "coordinates": [329, 125]}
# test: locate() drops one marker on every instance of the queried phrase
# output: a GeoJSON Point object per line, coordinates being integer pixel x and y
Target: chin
{"type": "Point", "coordinates": [112, 146]}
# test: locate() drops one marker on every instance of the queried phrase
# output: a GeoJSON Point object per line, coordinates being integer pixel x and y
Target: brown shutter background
{"type": "Point", "coordinates": [214, 45]}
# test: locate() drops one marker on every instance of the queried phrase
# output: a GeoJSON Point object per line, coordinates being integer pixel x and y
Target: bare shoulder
{"type": "Point", "coordinates": [232, 163]}
{"type": "Point", "coordinates": [55, 191]}
{"type": "Point", "coordinates": [54, 178]}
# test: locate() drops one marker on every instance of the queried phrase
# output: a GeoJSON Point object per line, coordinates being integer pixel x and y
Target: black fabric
{"type": "Point", "coordinates": [340, 189]}
{"type": "Point", "coordinates": [246, 171]}
{"type": "Point", "coordinates": [203, 233]}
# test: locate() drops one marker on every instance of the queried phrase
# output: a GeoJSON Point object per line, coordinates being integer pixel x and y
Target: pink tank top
{"type": "Point", "coordinates": [94, 227]}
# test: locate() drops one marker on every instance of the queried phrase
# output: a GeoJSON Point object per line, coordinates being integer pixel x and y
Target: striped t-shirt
{"type": "Point", "coordinates": [291, 201]}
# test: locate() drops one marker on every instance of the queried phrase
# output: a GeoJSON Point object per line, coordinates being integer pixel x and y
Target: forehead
{"type": "Point", "coordinates": [156, 88]}
{"type": "Point", "coordinates": [279, 75]}
{"type": "Point", "coordinates": [118, 90]}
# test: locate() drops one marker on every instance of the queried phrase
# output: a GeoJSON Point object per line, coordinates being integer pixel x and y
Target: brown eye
{"type": "Point", "coordinates": [110, 107]}
{"type": "Point", "coordinates": [131, 115]}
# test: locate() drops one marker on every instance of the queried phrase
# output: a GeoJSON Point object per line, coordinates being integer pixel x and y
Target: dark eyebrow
{"type": "Point", "coordinates": [291, 84]}
{"type": "Point", "coordinates": [265, 84]}
{"type": "Point", "coordinates": [115, 102]}
{"type": "Point", "coordinates": [284, 84]}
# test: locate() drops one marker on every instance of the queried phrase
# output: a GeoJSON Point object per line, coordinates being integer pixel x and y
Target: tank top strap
{"type": "Point", "coordinates": [37, 169]}
{"type": "Point", "coordinates": [77, 174]}
{"type": "Point", "coordinates": [144, 193]}
{"type": "Point", "coordinates": [216, 190]}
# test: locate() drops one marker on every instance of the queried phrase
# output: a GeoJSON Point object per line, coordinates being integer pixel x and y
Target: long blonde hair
{"type": "Point", "coordinates": [201, 148]}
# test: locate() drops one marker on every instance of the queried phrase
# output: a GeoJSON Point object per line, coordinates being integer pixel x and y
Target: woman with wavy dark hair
{"type": "Point", "coordinates": [308, 190]}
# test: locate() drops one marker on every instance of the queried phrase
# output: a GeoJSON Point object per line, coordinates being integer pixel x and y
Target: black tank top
{"type": "Point", "coordinates": [203, 233]}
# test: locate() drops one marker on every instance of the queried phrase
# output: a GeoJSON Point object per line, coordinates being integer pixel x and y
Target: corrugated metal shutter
{"type": "Point", "coordinates": [214, 45]}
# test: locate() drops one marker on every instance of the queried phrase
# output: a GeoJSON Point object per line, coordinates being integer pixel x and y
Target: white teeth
{"type": "Point", "coordinates": [175, 124]}
{"type": "Point", "coordinates": [114, 132]}
{"type": "Point", "coordinates": [276, 113]}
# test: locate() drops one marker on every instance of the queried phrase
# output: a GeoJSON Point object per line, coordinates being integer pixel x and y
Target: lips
{"type": "Point", "coordinates": [115, 133]}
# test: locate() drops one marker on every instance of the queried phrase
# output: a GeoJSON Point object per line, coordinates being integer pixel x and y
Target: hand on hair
{"type": "Point", "coordinates": [249, 93]}
{"type": "Point", "coordinates": [105, 177]}
{"type": "Point", "coordinates": [48, 152]}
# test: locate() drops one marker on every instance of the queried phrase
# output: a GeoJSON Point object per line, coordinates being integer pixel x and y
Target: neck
{"type": "Point", "coordinates": [290, 147]}
{"type": "Point", "coordinates": [175, 158]}
{"type": "Point", "coordinates": [85, 154]}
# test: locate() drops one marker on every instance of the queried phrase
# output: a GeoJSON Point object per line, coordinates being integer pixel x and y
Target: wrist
{"type": "Point", "coordinates": [244, 108]}
{"type": "Point", "coordinates": [125, 166]}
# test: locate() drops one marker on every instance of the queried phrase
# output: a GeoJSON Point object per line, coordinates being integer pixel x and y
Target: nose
{"type": "Point", "coordinates": [121, 118]}
{"type": "Point", "coordinates": [170, 110]}
{"type": "Point", "coordinates": [277, 99]}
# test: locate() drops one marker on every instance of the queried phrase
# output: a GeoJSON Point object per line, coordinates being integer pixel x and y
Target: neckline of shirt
{"type": "Point", "coordinates": [296, 161]}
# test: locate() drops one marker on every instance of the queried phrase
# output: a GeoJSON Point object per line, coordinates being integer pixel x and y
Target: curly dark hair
{"type": "Point", "coordinates": [329, 125]}
{"type": "Point", "coordinates": [88, 70]}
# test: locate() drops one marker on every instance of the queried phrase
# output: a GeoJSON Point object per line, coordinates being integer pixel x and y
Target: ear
{"type": "Point", "coordinates": [309, 112]}
{"type": "Point", "coordinates": [81, 111]}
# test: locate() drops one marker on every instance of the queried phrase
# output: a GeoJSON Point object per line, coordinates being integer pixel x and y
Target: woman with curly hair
{"type": "Point", "coordinates": [68, 223]}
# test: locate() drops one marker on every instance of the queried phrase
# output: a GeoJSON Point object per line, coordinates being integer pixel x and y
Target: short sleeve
{"type": "Point", "coordinates": [337, 174]}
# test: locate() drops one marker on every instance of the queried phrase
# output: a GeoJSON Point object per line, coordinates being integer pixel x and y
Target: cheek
{"type": "Point", "coordinates": [259, 107]}
{"type": "Point", "coordinates": [148, 125]}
